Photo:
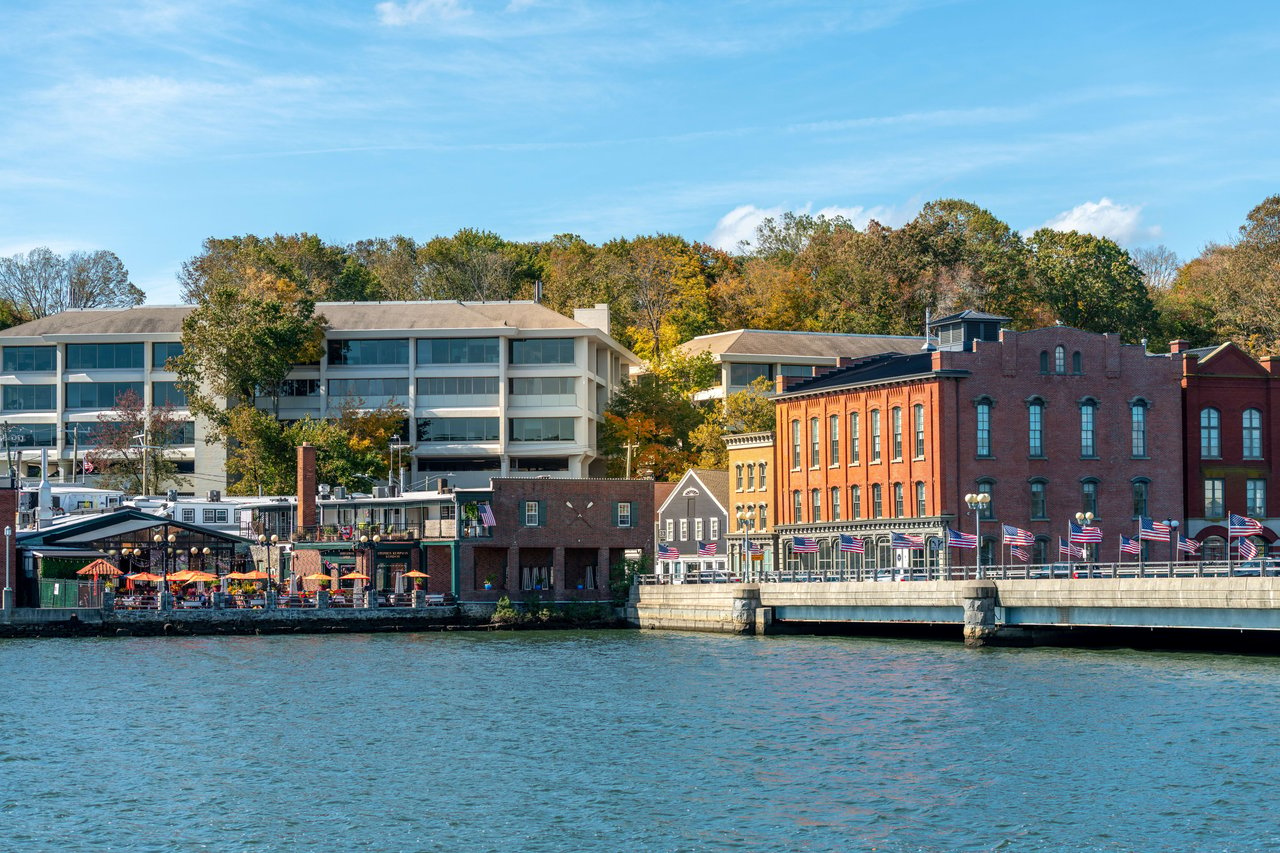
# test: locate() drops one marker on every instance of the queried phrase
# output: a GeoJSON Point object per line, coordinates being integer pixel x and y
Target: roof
{"type": "Point", "coordinates": [122, 522]}
{"type": "Point", "coordinates": [797, 344]}
{"type": "Point", "coordinates": [968, 315]}
{"type": "Point", "coordinates": [715, 482]}
{"type": "Point", "coordinates": [886, 366]}
{"type": "Point", "coordinates": [341, 316]}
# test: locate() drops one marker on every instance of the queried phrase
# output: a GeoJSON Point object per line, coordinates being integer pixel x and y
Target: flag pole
{"type": "Point", "coordinates": [1229, 537]}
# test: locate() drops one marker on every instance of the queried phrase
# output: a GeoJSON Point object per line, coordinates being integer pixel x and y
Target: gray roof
{"type": "Point", "coordinates": [798, 344]}
{"type": "Point", "coordinates": [968, 314]}
{"type": "Point", "coordinates": [716, 481]}
{"type": "Point", "coordinates": [341, 316]}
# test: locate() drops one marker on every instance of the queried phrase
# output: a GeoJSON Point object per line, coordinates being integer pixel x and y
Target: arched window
{"type": "Point", "coordinates": [1039, 499]}
{"type": "Point", "coordinates": [895, 420]}
{"type": "Point", "coordinates": [815, 498]}
{"type": "Point", "coordinates": [877, 501]}
{"type": "Point", "coordinates": [1089, 496]}
{"type": "Point", "coordinates": [1138, 428]}
{"type": "Point", "coordinates": [738, 475]}
{"type": "Point", "coordinates": [855, 502]}
{"type": "Point", "coordinates": [855, 438]}
{"type": "Point", "coordinates": [918, 417]}
{"type": "Point", "coordinates": [795, 445]}
{"type": "Point", "coordinates": [1044, 361]}
{"type": "Point", "coordinates": [1251, 433]}
{"type": "Point", "coordinates": [983, 437]}
{"type": "Point", "coordinates": [875, 435]}
{"type": "Point", "coordinates": [815, 444]}
{"type": "Point", "coordinates": [835, 503]}
{"type": "Point", "coordinates": [1215, 548]}
{"type": "Point", "coordinates": [1077, 363]}
{"type": "Point", "coordinates": [1210, 433]}
{"type": "Point", "coordinates": [1059, 359]}
{"type": "Point", "coordinates": [764, 480]}
{"type": "Point", "coordinates": [1088, 413]}
{"type": "Point", "coordinates": [797, 507]}
{"type": "Point", "coordinates": [899, 501]}
{"type": "Point", "coordinates": [763, 511]}
{"type": "Point", "coordinates": [751, 476]}
{"type": "Point", "coordinates": [922, 500]}
{"type": "Point", "coordinates": [1141, 490]}
{"type": "Point", "coordinates": [833, 439]}
{"type": "Point", "coordinates": [1035, 427]}
{"type": "Point", "coordinates": [988, 488]}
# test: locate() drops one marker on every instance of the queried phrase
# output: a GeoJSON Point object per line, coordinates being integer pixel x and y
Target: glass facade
{"type": "Point", "coordinates": [742, 375]}
{"type": "Point", "coordinates": [105, 356]}
{"type": "Point", "coordinates": [542, 429]}
{"type": "Point", "coordinates": [366, 388]}
{"type": "Point", "coordinates": [542, 351]}
{"type": "Point", "coordinates": [29, 398]}
{"type": "Point", "coordinates": [458, 429]}
{"type": "Point", "coordinates": [168, 394]}
{"type": "Point", "coordinates": [300, 388]}
{"type": "Point", "coordinates": [99, 395]}
{"type": "Point", "coordinates": [163, 351]}
{"type": "Point", "coordinates": [371, 351]}
{"type": "Point", "coordinates": [543, 391]}
{"type": "Point", "coordinates": [25, 359]}
{"type": "Point", "coordinates": [458, 351]}
{"type": "Point", "coordinates": [33, 435]}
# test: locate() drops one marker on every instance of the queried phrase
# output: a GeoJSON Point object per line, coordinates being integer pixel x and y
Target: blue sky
{"type": "Point", "coordinates": [144, 127]}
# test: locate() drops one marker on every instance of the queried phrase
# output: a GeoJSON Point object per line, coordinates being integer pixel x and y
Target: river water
{"type": "Point", "coordinates": [620, 741]}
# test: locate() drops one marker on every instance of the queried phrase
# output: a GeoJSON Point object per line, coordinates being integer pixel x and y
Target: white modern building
{"type": "Point", "coordinates": [491, 388]}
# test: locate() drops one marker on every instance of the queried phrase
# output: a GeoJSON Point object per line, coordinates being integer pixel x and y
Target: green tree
{"type": "Point", "coordinates": [133, 447]}
{"type": "Point", "coordinates": [748, 410]}
{"type": "Point", "coordinates": [655, 419]}
{"type": "Point", "coordinates": [319, 271]}
{"type": "Point", "coordinates": [1091, 283]}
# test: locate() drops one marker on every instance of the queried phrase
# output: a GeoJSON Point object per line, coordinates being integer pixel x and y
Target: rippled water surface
{"type": "Point", "coordinates": [629, 741]}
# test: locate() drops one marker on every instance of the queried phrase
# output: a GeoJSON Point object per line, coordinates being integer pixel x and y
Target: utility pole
{"type": "Point", "coordinates": [630, 446]}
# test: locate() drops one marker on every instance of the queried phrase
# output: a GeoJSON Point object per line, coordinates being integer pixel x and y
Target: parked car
{"type": "Point", "coordinates": [1053, 570]}
{"type": "Point", "coordinates": [1269, 567]}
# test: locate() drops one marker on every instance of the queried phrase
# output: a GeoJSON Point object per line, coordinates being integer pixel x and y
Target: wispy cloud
{"type": "Point", "coordinates": [1105, 218]}
{"type": "Point", "coordinates": [393, 14]}
{"type": "Point", "coordinates": [737, 228]}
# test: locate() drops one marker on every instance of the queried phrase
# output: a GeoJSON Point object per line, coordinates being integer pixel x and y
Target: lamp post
{"type": "Point", "coordinates": [274, 543]}
{"type": "Point", "coordinates": [1173, 526]}
{"type": "Point", "coordinates": [746, 523]}
{"type": "Point", "coordinates": [1084, 519]}
{"type": "Point", "coordinates": [369, 547]}
{"type": "Point", "coordinates": [397, 446]}
{"type": "Point", "coordinates": [978, 502]}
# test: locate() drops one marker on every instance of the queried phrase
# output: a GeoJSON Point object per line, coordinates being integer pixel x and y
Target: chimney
{"type": "Point", "coordinates": [595, 318]}
{"type": "Point", "coordinates": [306, 486]}
{"type": "Point", "coordinates": [1179, 345]}
{"type": "Point", "coordinates": [537, 290]}
{"type": "Point", "coordinates": [45, 514]}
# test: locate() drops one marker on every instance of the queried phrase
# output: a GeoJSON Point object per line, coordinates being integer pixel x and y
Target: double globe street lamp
{"type": "Point", "coordinates": [978, 503]}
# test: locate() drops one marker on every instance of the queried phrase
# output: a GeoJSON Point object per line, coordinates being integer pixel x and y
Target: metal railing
{"type": "Point", "coordinates": [429, 529]}
{"type": "Point", "coordinates": [1045, 571]}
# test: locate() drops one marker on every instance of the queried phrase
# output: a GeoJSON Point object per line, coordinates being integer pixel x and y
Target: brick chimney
{"type": "Point", "coordinates": [1179, 345]}
{"type": "Point", "coordinates": [306, 485]}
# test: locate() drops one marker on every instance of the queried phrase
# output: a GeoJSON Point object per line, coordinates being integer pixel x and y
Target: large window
{"type": "Point", "coordinates": [162, 351]}
{"type": "Point", "coordinates": [1210, 433]}
{"type": "Point", "coordinates": [1141, 491]}
{"type": "Point", "coordinates": [1251, 433]}
{"type": "Point", "coordinates": [815, 443]}
{"type": "Point", "coordinates": [984, 428]}
{"type": "Point", "coordinates": [895, 420]}
{"type": "Point", "coordinates": [1138, 428]}
{"type": "Point", "coordinates": [372, 351]}
{"type": "Point", "coordinates": [458, 429]}
{"type": "Point", "coordinates": [168, 394]}
{"type": "Point", "coordinates": [797, 507]}
{"type": "Point", "coordinates": [815, 501]}
{"type": "Point", "coordinates": [835, 503]}
{"type": "Point", "coordinates": [855, 438]}
{"type": "Point", "coordinates": [29, 398]}
{"type": "Point", "coordinates": [1255, 497]}
{"type": "Point", "coordinates": [795, 445]}
{"type": "Point", "coordinates": [1089, 496]}
{"type": "Point", "coordinates": [457, 350]}
{"type": "Point", "coordinates": [875, 435]}
{"type": "Point", "coordinates": [542, 429]}
{"type": "Point", "coordinates": [33, 435]}
{"type": "Point", "coordinates": [918, 417]}
{"type": "Point", "coordinates": [877, 501]}
{"type": "Point", "coordinates": [742, 375]}
{"type": "Point", "coordinates": [899, 501]}
{"type": "Point", "coordinates": [300, 388]}
{"type": "Point", "coordinates": [367, 388]}
{"type": "Point", "coordinates": [1035, 428]}
{"type": "Point", "coordinates": [1059, 359]}
{"type": "Point", "coordinates": [988, 488]}
{"type": "Point", "coordinates": [542, 351]}
{"type": "Point", "coordinates": [922, 500]}
{"type": "Point", "coordinates": [543, 391]}
{"type": "Point", "coordinates": [1214, 506]}
{"type": "Point", "coordinates": [28, 359]}
{"type": "Point", "coordinates": [1039, 499]}
{"type": "Point", "coordinates": [479, 390]}
{"type": "Point", "coordinates": [99, 395]}
{"type": "Point", "coordinates": [855, 502]}
{"type": "Point", "coordinates": [833, 437]}
{"type": "Point", "coordinates": [1088, 411]}
{"type": "Point", "coordinates": [105, 356]}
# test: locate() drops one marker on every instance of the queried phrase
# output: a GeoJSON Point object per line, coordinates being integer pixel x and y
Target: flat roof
{"type": "Point", "coordinates": [831, 345]}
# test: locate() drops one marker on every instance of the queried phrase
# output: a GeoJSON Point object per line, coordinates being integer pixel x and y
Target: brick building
{"type": "Point", "coordinates": [750, 500]}
{"type": "Point", "coordinates": [1230, 403]}
{"type": "Point", "coordinates": [1048, 422]}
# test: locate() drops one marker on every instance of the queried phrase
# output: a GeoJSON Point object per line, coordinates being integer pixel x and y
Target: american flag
{"type": "Point", "coordinates": [1247, 549]}
{"type": "Point", "coordinates": [804, 545]}
{"type": "Point", "coordinates": [1086, 533]}
{"type": "Point", "coordinates": [852, 544]}
{"type": "Point", "coordinates": [1152, 530]}
{"type": "Point", "coordinates": [1017, 536]}
{"type": "Point", "coordinates": [1130, 546]}
{"type": "Point", "coordinates": [668, 552]}
{"type": "Point", "coordinates": [755, 548]}
{"type": "Point", "coordinates": [1066, 549]}
{"type": "Point", "coordinates": [1242, 525]}
{"type": "Point", "coordinates": [909, 541]}
{"type": "Point", "coordinates": [87, 466]}
{"type": "Point", "coordinates": [1021, 553]}
{"type": "Point", "coordinates": [486, 516]}
{"type": "Point", "coordinates": [956, 539]}
{"type": "Point", "coordinates": [1190, 546]}
{"type": "Point", "coordinates": [328, 567]}
{"type": "Point", "coordinates": [706, 549]}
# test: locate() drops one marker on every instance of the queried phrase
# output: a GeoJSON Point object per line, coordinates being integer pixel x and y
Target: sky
{"type": "Point", "coordinates": [147, 126]}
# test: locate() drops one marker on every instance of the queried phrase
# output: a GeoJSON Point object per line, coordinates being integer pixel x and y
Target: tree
{"type": "Point", "coordinates": [319, 271]}
{"type": "Point", "coordinates": [394, 263]}
{"type": "Point", "coordinates": [131, 447]}
{"type": "Point", "coordinates": [1091, 283]}
{"type": "Point", "coordinates": [1159, 266]}
{"type": "Point", "coordinates": [748, 410]}
{"type": "Point", "coordinates": [42, 282]}
{"type": "Point", "coordinates": [654, 418]}
{"type": "Point", "coordinates": [475, 265]}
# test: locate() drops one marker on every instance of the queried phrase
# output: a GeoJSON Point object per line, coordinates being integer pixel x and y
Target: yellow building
{"type": "Point", "coordinates": [750, 503]}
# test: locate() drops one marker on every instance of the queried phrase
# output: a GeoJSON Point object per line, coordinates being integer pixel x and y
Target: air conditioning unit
{"type": "Point", "coordinates": [340, 493]}
{"type": "Point", "coordinates": [323, 489]}
{"type": "Point", "coordinates": [214, 496]}
{"type": "Point", "coordinates": [381, 492]}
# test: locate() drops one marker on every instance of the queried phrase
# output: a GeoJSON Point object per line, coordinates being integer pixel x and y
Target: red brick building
{"type": "Point", "coordinates": [1231, 402]}
{"type": "Point", "coordinates": [1049, 423]}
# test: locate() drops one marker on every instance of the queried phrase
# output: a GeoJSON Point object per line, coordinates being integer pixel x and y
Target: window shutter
{"type": "Point", "coordinates": [616, 522]}
{"type": "Point", "coordinates": [542, 513]}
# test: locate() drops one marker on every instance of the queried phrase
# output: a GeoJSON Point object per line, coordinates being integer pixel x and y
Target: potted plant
{"type": "Point", "coordinates": [490, 581]}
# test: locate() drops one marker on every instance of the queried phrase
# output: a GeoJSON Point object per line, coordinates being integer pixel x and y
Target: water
{"type": "Point", "coordinates": [612, 741]}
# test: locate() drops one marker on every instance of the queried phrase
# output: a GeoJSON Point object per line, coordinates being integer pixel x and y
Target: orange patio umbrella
{"type": "Point", "coordinates": [255, 575]}
{"type": "Point", "coordinates": [316, 576]}
{"type": "Point", "coordinates": [416, 574]}
{"type": "Point", "coordinates": [144, 576]}
{"type": "Point", "coordinates": [183, 576]}
{"type": "Point", "coordinates": [353, 576]}
{"type": "Point", "coordinates": [195, 575]}
{"type": "Point", "coordinates": [234, 576]}
{"type": "Point", "coordinates": [99, 568]}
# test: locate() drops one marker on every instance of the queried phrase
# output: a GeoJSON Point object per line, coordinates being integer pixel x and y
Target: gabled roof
{"type": "Point", "coordinates": [714, 483]}
{"type": "Point", "coordinates": [968, 314]}
{"type": "Point", "coordinates": [122, 522]}
{"type": "Point", "coordinates": [757, 342]}
{"type": "Point", "coordinates": [1226, 359]}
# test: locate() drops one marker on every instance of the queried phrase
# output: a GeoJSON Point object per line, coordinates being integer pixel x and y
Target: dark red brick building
{"type": "Point", "coordinates": [1048, 423]}
{"type": "Point", "coordinates": [1231, 403]}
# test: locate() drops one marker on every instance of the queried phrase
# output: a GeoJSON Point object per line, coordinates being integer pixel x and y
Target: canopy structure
{"type": "Point", "coordinates": [100, 568]}
{"type": "Point", "coordinates": [353, 576]}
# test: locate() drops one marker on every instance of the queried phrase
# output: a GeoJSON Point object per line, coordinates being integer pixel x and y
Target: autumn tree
{"type": "Point", "coordinates": [132, 447]}
{"type": "Point", "coordinates": [43, 282]}
{"type": "Point", "coordinates": [655, 419]}
{"type": "Point", "coordinates": [319, 271]}
{"type": "Point", "coordinates": [748, 410]}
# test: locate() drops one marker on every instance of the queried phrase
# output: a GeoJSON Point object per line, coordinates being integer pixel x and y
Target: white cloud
{"type": "Point", "coordinates": [739, 225]}
{"type": "Point", "coordinates": [394, 14]}
{"type": "Point", "coordinates": [1105, 218]}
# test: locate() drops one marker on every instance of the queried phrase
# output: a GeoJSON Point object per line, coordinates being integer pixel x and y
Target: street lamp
{"type": "Point", "coordinates": [397, 445]}
{"type": "Point", "coordinates": [746, 523]}
{"type": "Point", "coordinates": [1172, 524]}
{"type": "Point", "coordinates": [1084, 519]}
{"type": "Point", "coordinates": [978, 502]}
{"type": "Point", "coordinates": [274, 541]}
